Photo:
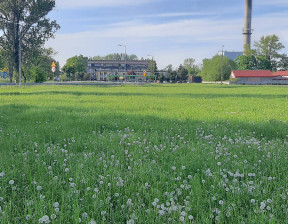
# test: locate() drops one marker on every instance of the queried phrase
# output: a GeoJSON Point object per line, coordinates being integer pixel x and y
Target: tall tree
{"type": "Point", "coordinates": [192, 68]}
{"type": "Point", "coordinates": [189, 64]}
{"type": "Point", "coordinates": [212, 68]}
{"type": "Point", "coordinates": [25, 26]}
{"type": "Point", "coordinates": [182, 73]}
{"type": "Point", "coordinates": [270, 47]}
{"type": "Point", "coordinates": [76, 64]}
{"type": "Point", "coordinates": [152, 66]}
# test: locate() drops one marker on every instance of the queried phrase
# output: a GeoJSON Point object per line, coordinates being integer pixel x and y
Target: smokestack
{"type": "Point", "coordinates": [247, 31]}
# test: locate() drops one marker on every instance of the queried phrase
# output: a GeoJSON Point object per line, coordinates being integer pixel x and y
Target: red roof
{"type": "Point", "coordinates": [251, 73]}
{"type": "Point", "coordinates": [281, 73]}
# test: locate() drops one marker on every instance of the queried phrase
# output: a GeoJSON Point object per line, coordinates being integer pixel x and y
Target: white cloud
{"type": "Point", "coordinates": [164, 41]}
{"type": "Point", "coordinates": [169, 42]}
{"type": "Point", "coordinates": [99, 3]}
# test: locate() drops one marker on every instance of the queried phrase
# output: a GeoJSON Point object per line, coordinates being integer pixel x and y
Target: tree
{"type": "Point", "coordinates": [269, 48]}
{"type": "Point", "coordinates": [25, 25]}
{"type": "Point", "coordinates": [116, 56]}
{"type": "Point", "coordinates": [132, 57]}
{"type": "Point", "coordinates": [189, 64]}
{"type": "Point", "coordinates": [211, 70]}
{"type": "Point", "coordinates": [246, 62]}
{"type": "Point", "coordinates": [283, 64]}
{"type": "Point", "coordinates": [76, 64]}
{"type": "Point", "coordinates": [152, 66]}
{"type": "Point", "coordinates": [182, 73]}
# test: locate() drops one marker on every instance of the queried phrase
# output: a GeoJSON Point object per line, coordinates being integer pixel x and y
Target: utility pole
{"type": "Point", "coordinates": [19, 57]}
{"type": "Point", "coordinates": [153, 64]}
{"type": "Point", "coordinates": [121, 45]}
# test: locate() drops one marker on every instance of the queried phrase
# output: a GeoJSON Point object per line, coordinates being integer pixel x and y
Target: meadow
{"type": "Point", "coordinates": [185, 153]}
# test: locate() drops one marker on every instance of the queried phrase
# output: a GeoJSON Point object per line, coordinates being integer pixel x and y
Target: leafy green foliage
{"type": "Point", "coordinates": [269, 47]}
{"type": "Point", "coordinates": [265, 56]}
{"type": "Point", "coordinates": [152, 66]}
{"type": "Point", "coordinates": [38, 74]}
{"type": "Point", "coordinates": [212, 68]}
{"type": "Point", "coordinates": [116, 56]}
{"type": "Point", "coordinates": [192, 68]}
{"type": "Point", "coordinates": [27, 22]}
{"type": "Point", "coordinates": [182, 73]}
{"type": "Point", "coordinates": [75, 66]}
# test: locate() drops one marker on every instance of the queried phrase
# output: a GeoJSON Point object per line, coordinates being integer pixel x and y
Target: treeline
{"type": "Point", "coordinates": [265, 56]}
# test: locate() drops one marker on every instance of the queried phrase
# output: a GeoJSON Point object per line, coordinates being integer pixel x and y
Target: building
{"type": "Point", "coordinates": [232, 54]}
{"type": "Point", "coordinates": [114, 70]}
{"type": "Point", "coordinates": [259, 77]}
{"type": "Point", "coordinates": [283, 74]}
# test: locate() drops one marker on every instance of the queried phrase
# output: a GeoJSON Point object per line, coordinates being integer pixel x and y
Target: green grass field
{"type": "Point", "coordinates": [144, 154]}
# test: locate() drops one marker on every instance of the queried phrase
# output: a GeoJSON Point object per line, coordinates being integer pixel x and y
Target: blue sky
{"type": "Point", "coordinates": [170, 30]}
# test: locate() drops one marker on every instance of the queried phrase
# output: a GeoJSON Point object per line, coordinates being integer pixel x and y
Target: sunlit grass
{"type": "Point", "coordinates": [143, 154]}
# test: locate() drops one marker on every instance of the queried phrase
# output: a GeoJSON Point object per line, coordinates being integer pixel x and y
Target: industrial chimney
{"type": "Point", "coordinates": [247, 31]}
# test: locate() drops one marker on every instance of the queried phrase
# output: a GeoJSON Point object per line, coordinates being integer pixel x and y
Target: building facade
{"type": "Point", "coordinates": [259, 77]}
{"type": "Point", "coordinates": [114, 70]}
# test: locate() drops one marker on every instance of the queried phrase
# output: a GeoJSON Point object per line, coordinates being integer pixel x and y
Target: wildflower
{"type": "Point", "coordinates": [72, 185]}
{"type": "Point", "coordinates": [173, 167]}
{"type": "Point", "coordinates": [252, 201]}
{"type": "Point", "coordinates": [28, 217]}
{"type": "Point", "coordinates": [66, 170]}
{"type": "Point", "coordinates": [269, 201]}
{"type": "Point", "coordinates": [268, 208]}
{"type": "Point", "coordinates": [39, 188]}
{"type": "Point", "coordinates": [44, 219]}
{"type": "Point", "coordinates": [53, 216]}
{"type": "Point", "coordinates": [2, 174]}
{"type": "Point", "coordinates": [84, 215]}
{"type": "Point", "coordinates": [262, 205]}
{"type": "Point", "coordinates": [56, 205]}
{"type": "Point", "coordinates": [219, 163]}
{"type": "Point", "coordinates": [1, 199]}
{"type": "Point", "coordinates": [92, 221]}
{"type": "Point", "coordinates": [11, 182]}
{"type": "Point", "coordinates": [221, 202]}
{"type": "Point", "coordinates": [161, 212]}
{"type": "Point", "coordinates": [183, 213]}
{"type": "Point", "coordinates": [42, 197]}
{"type": "Point", "coordinates": [182, 219]}
{"type": "Point", "coordinates": [190, 217]}
{"type": "Point", "coordinates": [129, 202]}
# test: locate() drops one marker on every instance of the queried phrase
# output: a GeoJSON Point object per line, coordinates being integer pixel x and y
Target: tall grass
{"type": "Point", "coordinates": [149, 154]}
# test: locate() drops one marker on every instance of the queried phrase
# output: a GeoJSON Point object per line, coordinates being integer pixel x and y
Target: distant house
{"type": "Point", "coordinates": [259, 77]}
